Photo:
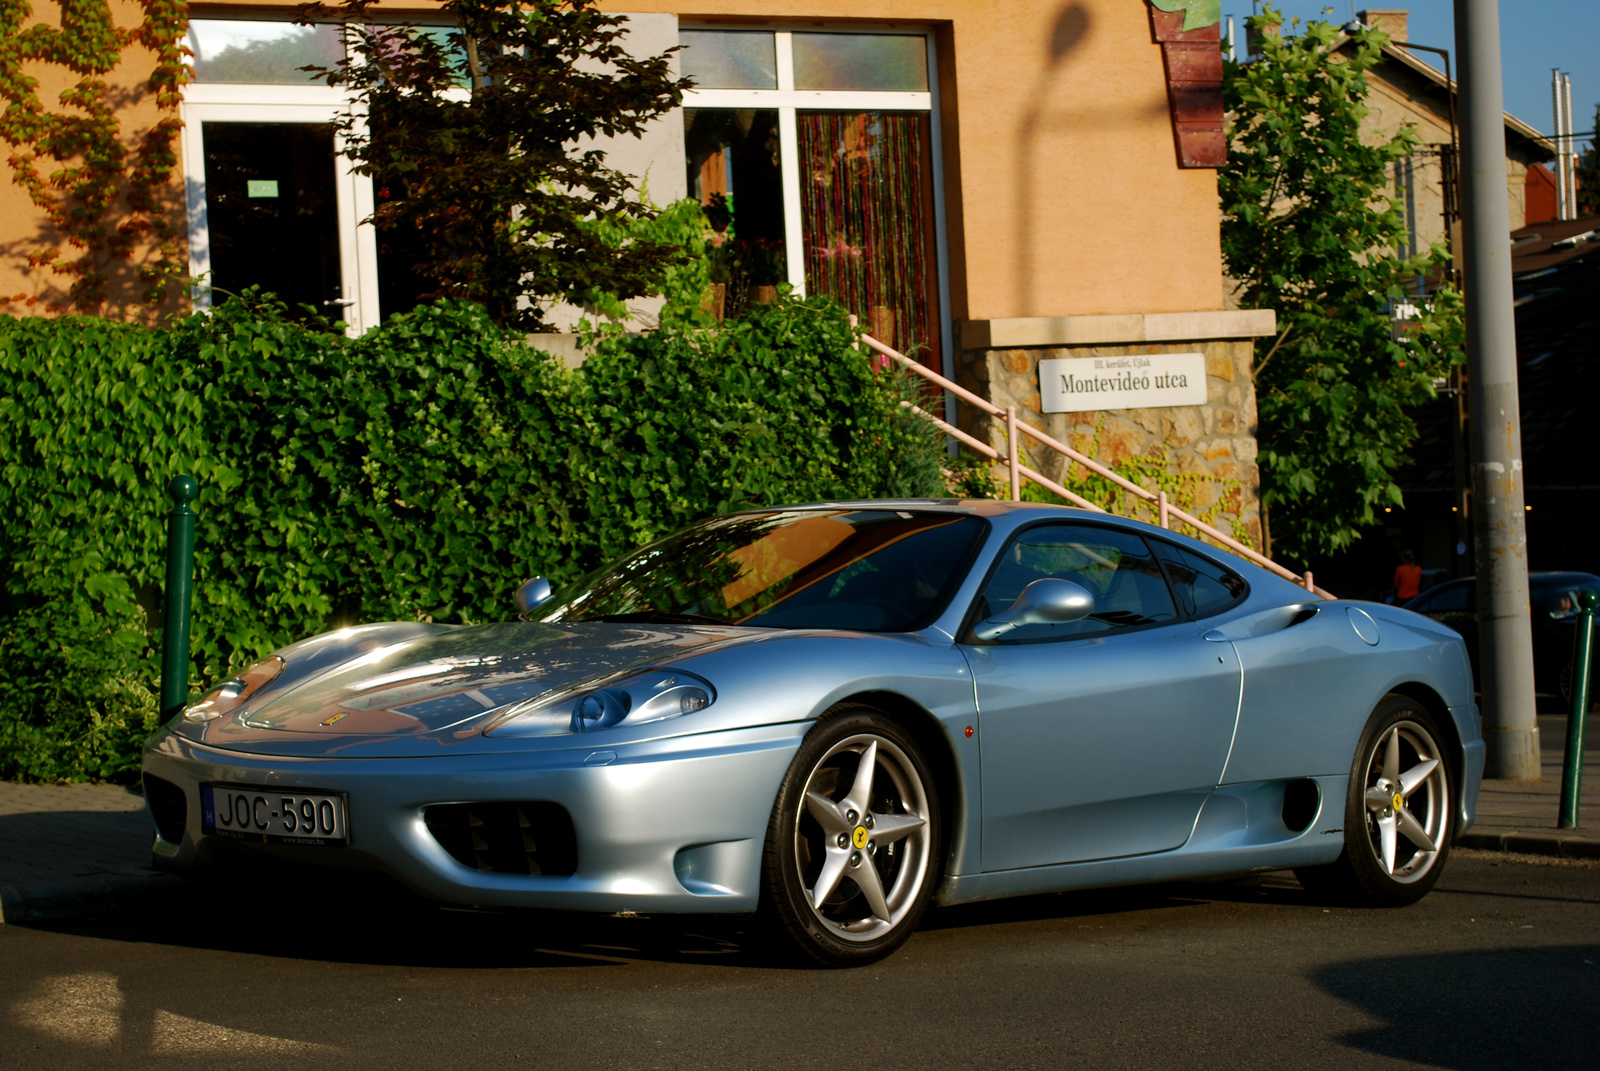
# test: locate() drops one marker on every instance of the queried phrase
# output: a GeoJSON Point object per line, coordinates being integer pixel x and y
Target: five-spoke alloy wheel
{"type": "Point", "coordinates": [853, 845]}
{"type": "Point", "coordinates": [1397, 812]}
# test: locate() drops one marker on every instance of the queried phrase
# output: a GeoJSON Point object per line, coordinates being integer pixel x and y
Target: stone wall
{"type": "Point", "coordinates": [1203, 456]}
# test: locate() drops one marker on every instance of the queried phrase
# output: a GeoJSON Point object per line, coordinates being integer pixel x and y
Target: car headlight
{"type": "Point", "coordinates": [234, 692]}
{"type": "Point", "coordinates": [633, 698]}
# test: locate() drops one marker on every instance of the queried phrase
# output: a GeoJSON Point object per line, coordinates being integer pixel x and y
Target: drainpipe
{"type": "Point", "coordinates": [1561, 144]}
{"type": "Point", "coordinates": [1569, 156]}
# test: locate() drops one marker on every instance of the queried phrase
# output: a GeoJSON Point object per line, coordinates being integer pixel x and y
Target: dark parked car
{"type": "Point", "coordinates": [1553, 599]}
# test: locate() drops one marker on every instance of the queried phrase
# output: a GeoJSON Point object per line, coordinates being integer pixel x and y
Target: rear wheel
{"type": "Point", "coordinates": [853, 844]}
{"type": "Point", "coordinates": [1397, 812]}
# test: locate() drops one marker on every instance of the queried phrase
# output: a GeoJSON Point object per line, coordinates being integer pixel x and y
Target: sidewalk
{"type": "Point", "coordinates": [1520, 816]}
{"type": "Point", "coordinates": [70, 850]}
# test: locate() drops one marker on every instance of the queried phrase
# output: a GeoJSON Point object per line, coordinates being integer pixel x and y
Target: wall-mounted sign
{"type": "Point", "coordinates": [1149, 381]}
{"type": "Point", "coordinates": [261, 187]}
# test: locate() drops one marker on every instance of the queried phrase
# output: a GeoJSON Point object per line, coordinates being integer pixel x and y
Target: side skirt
{"type": "Point", "coordinates": [1240, 830]}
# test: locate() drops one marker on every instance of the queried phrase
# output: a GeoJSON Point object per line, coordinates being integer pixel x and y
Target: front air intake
{"type": "Point", "coordinates": [507, 838]}
{"type": "Point", "coordinates": [168, 806]}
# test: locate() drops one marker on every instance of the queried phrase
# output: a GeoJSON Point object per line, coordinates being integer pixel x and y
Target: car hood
{"type": "Point", "coordinates": [448, 682]}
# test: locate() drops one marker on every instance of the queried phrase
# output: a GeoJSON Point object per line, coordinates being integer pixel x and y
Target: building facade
{"type": "Point", "coordinates": [1408, 88]}
{"type": "Point", "coordinates": [984, 185]}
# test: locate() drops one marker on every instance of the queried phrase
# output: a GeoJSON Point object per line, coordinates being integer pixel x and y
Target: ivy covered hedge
{"type": "Point", "coordinates": [421, 471]}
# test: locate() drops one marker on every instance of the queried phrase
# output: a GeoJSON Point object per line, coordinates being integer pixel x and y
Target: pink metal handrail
{"type": "Point", "coordinates": [1166, 512]}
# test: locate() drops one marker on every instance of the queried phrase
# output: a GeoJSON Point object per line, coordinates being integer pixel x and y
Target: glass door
{"type": "Point", "coordinates": [271, 202]}
{"type": "Point", "coordinates": [272, 214]}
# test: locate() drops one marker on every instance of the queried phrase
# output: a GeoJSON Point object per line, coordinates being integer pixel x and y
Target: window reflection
{"type": "Point", "coordinates": [236, 50]}
{"type": "Point", "coordinates": [891, 62]}
{"type": "Point", "coordinates": [729, 59]}
{"type": "Point", "coordinates": [868, 570]}
{"type": "Point", "coordinates": [733, 162]}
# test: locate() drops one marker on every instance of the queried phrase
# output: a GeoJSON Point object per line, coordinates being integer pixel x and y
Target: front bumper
{"type": "Point", "coordinates": [1472, 759]}
{"type": "Point", "coordinates": [674, 825]}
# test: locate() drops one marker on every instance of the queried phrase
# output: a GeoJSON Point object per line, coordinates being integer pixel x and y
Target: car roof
{"type": "Point", "coordinates": [1551, 578]}
{"type": "Point", "coordinates": [979, 506]}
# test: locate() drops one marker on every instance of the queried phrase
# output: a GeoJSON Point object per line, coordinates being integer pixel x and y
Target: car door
{"type": "Point", "coordinates": [1102, 737]}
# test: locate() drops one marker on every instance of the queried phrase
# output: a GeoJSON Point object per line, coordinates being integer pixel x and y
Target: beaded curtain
{"type": "Point", "coordinates": [864, 189]}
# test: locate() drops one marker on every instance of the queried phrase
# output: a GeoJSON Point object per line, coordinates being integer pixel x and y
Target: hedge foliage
{"type": "Point", "coordinates": [421, 471]}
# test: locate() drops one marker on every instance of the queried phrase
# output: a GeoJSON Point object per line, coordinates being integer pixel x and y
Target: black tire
{"type": "Point", "coordinates": [901, 809]}
{"type": "Point", "coordinates": [1390, 868]}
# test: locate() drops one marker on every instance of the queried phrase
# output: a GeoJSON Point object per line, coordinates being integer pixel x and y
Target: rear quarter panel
{"type": "Point", "coordinates": [1309, 689]}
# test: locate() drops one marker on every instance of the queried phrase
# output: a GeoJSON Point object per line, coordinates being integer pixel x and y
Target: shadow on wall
{"type": "Point", "coordinates": [124, 284]}
{"type": "Point", "coordinates": [1495, 1020]}
{"type": "Point", "coordinates": [35, 289]}
{"type": "Point", "coordinates": [1072, 27]}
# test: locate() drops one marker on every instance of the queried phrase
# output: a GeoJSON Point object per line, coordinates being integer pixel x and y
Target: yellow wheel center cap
{"type": "Point", "coordinates": [859, 838]}
{"type": "Point", "coordinates": [1399, 801]}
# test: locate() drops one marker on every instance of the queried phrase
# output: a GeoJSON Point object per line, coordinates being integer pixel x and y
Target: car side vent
{"type": "Point", "coordinates": [1301, 801]}
{"type": "Point", "coordinates": [168, 806]}
{"type": "Point", "coordinates": [507, 838]}
{"type": "Point", "coordinates": [1305, 614]}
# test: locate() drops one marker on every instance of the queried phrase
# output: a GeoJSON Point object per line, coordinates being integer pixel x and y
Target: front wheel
{"type": "Point", "coordinates": [1397, 812]}
{"type": "Point", "coordinates": [852, 847]}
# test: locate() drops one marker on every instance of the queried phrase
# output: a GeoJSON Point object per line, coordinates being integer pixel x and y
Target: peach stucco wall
{"type": "Point", "coordinates": [1064, 194]}
{"type": "Point", "coordinates": [25, 227]}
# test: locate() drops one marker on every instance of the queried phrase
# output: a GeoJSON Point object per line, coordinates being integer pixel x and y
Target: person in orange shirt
{"type": "Point", "coordinates": [1407, 577]}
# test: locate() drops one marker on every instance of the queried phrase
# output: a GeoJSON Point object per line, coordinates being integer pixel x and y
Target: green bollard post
{"type": "Point", "coordinates": [179, 593]}
{"type": "Point", "coordinates": [1572, 764]}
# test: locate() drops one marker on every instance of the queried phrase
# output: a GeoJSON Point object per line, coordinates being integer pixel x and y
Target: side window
{"type": "Point", "coordinates": [1560, 602]}
{"type": "Point", "coordinates": [1203, 587]}
{"type": "Point", "coordinates": [1115, 567]}
{"type": "Point", "coordinates": [1451, 600]}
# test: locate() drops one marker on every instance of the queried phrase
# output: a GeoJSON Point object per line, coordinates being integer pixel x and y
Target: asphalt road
{"type": "Point", "coordinates": [1499, 967]}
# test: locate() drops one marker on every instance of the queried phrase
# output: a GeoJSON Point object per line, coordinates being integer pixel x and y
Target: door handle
{"type": "Point", "coordinates": [342, 303]}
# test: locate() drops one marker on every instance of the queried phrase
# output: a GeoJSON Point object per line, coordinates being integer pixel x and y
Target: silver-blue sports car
{"type": "Point", "coordinates": [830, 715]}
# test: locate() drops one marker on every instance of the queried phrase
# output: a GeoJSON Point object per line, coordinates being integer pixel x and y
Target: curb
{"type": "Point", "coordinates": [1566, 845]}
{"type": "Point", "coordinates": [86, 896]}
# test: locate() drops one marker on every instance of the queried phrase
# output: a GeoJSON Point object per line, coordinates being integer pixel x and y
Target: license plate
{"type": "Point", "coordinates": [253, 812]}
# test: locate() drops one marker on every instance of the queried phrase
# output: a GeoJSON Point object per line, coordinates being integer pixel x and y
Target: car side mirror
{"type": "Point", "coordinates": [532, 594]}
{"type": "Point", "coordinates": [1048, 601]}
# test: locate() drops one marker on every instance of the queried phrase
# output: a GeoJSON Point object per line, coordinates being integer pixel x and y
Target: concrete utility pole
{"type": "Point", "coordinates": [1505, 641]}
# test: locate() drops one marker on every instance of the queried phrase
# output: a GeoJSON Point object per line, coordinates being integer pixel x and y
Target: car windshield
{"type": "Point", "coordinates": [872, 570]}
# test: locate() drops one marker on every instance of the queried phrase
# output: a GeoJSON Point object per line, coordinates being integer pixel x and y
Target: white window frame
{"type": "Point", "coordinates": [227, 102]}
{"type": "Point", "coordinates": [251, 102]}
{"type": "Point", "coordinates": [789, 101]}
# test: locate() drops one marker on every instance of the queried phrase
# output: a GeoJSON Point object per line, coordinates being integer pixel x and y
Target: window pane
{"type": "Point", "coordinates": [1449, 598]}
{"type": "Point", "coordinates": [447, 38]}
{"type": "Point", "coordinates": [729, 59]}
{"type": "Point", "coordinates": [1203, 586]}
{"type": "Point", "coordinates": [866, 192]}
{"type": "Point", "coordinates": [1559, 601]}
{"type": "Point", "coordinates": [270, 206]}
{"type": "Point", "coordinates": [1115, 567]}
{"type": "Point", "coordinates": [878, 61]}
{"type": "Point", "coordinates": [733, 160]}
{"type": "Point", "coordinates": [232, 50]}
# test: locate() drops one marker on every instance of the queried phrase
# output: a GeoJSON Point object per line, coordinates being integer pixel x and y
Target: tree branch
{"type": "Point", "coordinates": [1256, 371]}
{"type": "Point", "coordinates": [474, 65]}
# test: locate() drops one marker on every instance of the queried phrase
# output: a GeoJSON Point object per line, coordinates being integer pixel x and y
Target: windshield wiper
{"type": "Point", "coordinates": [660, 617]}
